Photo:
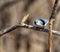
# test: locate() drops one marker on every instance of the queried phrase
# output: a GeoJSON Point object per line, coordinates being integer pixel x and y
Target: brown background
{"type": "Point", "coordinates": [22, 39]}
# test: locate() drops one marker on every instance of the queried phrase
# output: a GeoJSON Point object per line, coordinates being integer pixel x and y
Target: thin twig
{"type": "Point", "coordinates": [51, 26]}
{"type": "Point", "coordinates": [50, 36]}
{"type": "Point", "coordinates": [9, 29]}
{"type": "Point", "coordinates": [25, 18]}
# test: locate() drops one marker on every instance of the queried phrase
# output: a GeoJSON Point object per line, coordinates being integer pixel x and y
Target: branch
{"type": "Point", "coordinates": [9, 29]}
{"type": "Point", "coordinates": [50, 41]}
{"type": "Point", "coordinates": [25, 18]}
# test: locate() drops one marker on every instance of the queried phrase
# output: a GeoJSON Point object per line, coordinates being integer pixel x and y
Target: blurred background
{"type": "Point", "coordinates": [22, 39]}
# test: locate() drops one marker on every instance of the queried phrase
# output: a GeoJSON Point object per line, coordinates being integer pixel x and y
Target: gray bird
{"type": "Point", "coordinates": [41, 22]}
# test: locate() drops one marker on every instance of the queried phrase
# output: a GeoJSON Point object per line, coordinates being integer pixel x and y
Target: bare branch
{"type": "Point", "coordinates": [50, 41]}
{"type": "Point", "coordinates": [25, 18]}
{"type": "Point", "coordinates": [9, 29]}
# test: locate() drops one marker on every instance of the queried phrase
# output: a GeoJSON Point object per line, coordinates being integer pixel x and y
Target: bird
{"type": "Point", "coordinates": [41, 22]}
